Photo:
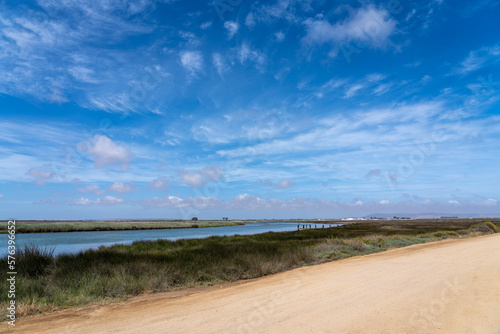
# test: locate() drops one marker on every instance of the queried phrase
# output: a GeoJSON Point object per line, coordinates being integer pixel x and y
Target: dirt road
{"type": "Point", "coordinates": [451, 286]}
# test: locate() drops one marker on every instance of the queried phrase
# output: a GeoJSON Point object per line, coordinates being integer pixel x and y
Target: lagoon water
{"type": "Point", "coordinates": [74, 242]}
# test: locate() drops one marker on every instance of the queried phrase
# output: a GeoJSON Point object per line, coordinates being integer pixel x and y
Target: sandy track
{"type": "Point", "coordinates": [451, 286]}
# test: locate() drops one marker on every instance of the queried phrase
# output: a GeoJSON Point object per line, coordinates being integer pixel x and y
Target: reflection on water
{"type": "Point", "coordinates": [73, 242]}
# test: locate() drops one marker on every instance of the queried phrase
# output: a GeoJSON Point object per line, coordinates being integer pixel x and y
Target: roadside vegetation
{"type": "Point", "coordinates": [80, 226]}
{"type": "Point", "coordinates": [46, 283]}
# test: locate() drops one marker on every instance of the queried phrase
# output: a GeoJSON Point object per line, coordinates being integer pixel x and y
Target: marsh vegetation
{"type": "Point", "coordinates": [80, 226]}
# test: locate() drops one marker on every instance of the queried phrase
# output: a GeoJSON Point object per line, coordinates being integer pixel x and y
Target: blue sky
{"type": "Point", "coordinates": [275, 109]}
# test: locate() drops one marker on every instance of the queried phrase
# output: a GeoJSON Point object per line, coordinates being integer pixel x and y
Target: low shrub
{"type": "Point", "coordinates": [34, 260]}
{"type": "Point", "coordinates": [485, 228]}
{"type": "Point", "coordinates": [445, 234]}
{"type": "Point", "coordinates": [492, 226]}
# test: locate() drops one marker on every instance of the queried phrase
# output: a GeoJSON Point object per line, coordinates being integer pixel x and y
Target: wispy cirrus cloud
{"type": "Point", "coordinates": [220, 64]}
{"type": "Point", "coordinates": [254, 125]}
{"type": "Point", "coordinates": [43, 49]}
{"type": "Point", "coordinates": [246, 54]}
{"type": "Point", "coordinates": [349, 131]}
{"type": "Point", "coordinates": [477, 59]}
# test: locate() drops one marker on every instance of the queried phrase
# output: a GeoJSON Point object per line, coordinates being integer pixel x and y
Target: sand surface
{"type": "Point", "coordinates": [452, 286]}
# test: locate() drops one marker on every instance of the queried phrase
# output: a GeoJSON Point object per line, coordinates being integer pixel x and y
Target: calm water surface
{"type": "Point", "coordinates": [74, 242]}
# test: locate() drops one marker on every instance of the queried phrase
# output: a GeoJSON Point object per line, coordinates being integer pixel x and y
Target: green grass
{"type": "Point", "coordinates": [46, 283]}
{"type": "Point", "coordinates": [79, 226]}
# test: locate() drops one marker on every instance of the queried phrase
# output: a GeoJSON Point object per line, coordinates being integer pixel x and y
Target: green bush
{"type": "Point", "coordinates": [492, 226]}
{"type": "Point", "coordinates": [381, 242]}
{"type": "Point", "coordinates": [486, 228]}
{"type": "Point", "coordinates": [33, 260]}
{"type": "Point", "coordinates": [445, 234]}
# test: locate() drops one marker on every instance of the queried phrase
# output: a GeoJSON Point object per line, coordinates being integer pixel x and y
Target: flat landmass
{"type": "Point", "coordinates": [448, 286]}
{"type": "Point", "coordinates": [44, 226]}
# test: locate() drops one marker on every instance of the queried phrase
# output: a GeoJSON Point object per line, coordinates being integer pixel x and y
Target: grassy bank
{"type": "Point", "coordinates": [47, 283]}
{"type": "Point", "coordinates": [79, 226]}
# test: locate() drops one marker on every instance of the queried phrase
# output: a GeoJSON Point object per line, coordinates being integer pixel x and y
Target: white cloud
{"type": "Point", "coordinates": [250, 21]}
{"type": "Point", "coordinates": [206, 25]}
{"type": "Point", "coordinates": [81, 201]}
{"type": "Point", "coordinates": [177, 202]}
{"type": "Point", "coordinates": [1, 196]}
{"type": "Point", "coordinates": [193, 179]}
{"type": "Point", "coordinates": [247, 201]}
{"type": "Point", "coordinates": [190, 39]}
{"type": "Point", "coordinates": [207, 174]}
{"type": "Point", "coordinates": [375, 77]}
{"type": "Point", "coordinates": [454, 202]}
{"type": "Point", "coordinates": [192, 61]}
{"type": "Point", "coordinates": [232, 28]}
{"type": "Point", "coordinates": [369, 25]}
{"type": "Point", "coordinates": [491, 201]}
{"type": "Point", "coordinates": [168, 201]}
{"type": "Point", "coordinates": [40, 176]}
{"type": "Point", "coordinates": [91, 188]}
{"type": "Point", "coordinates": [212, 173]}
{"type": "Point", "coordinates": [160, 183]}
{"type": "Point", "coordinates": [426, 79]}
{"type": "Point", "coordinates": [121, 187]}
{"type": "Point", "coordinates": [283, 184]}
{"type": "Point", "coordinates": [280, 36]}
{"type": "Point", "coordinates": [384, 202]}
{"type": "Point", "coordinates": [106, 152]}
{"type": "Point", "coordinates": [108, 200]}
